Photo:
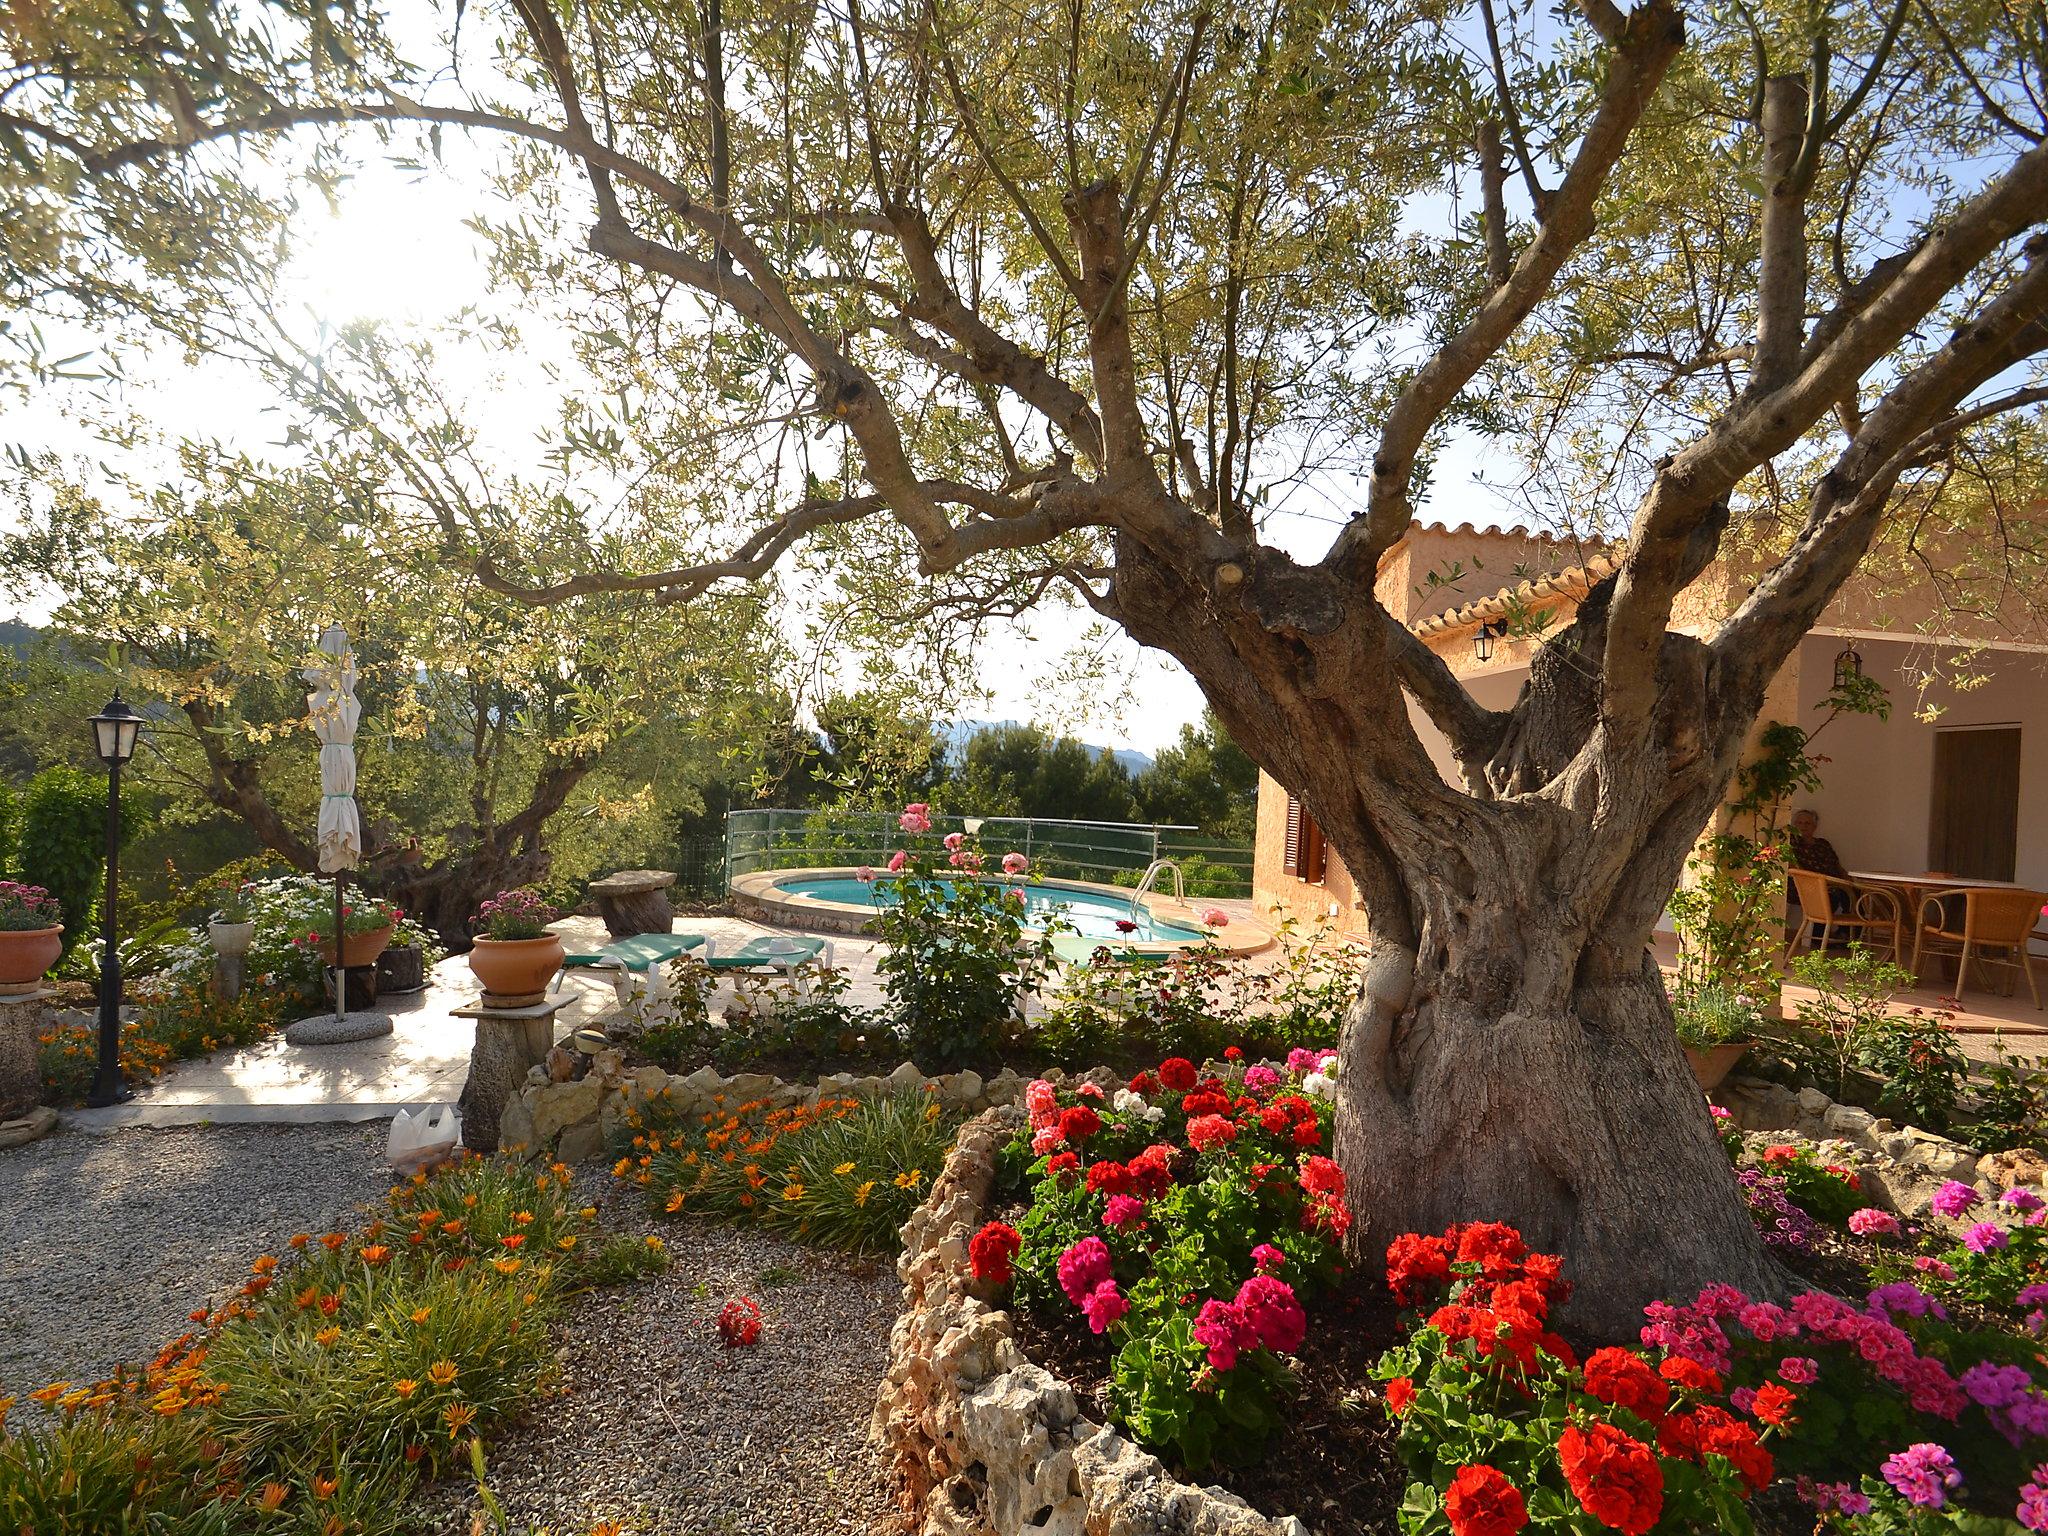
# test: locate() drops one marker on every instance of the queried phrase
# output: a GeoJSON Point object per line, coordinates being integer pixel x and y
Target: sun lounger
{"type": "Point", "coordinates": [640, 956]}
{"type": "Point", "coordinates": [774, 952]}
{"type": "Point", "coordinates": [1073, 949]}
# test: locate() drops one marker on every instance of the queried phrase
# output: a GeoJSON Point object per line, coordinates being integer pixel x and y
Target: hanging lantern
{"type": "Point", "coordinates": [1848, 666]}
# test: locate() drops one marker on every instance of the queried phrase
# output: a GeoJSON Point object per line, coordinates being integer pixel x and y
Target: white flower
{"type": "Point", "coordinates": [1128, 1103]}
{"type": "Point", "coordinates": [1321, 1084]}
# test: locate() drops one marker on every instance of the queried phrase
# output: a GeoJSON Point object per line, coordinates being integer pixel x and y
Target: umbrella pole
{"type": "Point", "coordinates": [340, 939]}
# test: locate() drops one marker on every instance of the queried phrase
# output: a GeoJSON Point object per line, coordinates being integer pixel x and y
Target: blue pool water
{"type": "Point", "coordinates": [1093, 914]}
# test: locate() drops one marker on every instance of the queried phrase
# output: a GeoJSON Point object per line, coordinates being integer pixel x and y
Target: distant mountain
{"type": "Point", "coordinates": [957, 733]}
{"type": "Point", "coordinates": [17, 637]}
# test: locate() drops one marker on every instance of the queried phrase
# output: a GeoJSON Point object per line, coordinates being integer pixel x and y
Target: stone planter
{"type": "Point", "coordinates": [1712, 1063]}
{"type": "Point", "coordinates": [981, 1441]}
{"type": "Point", "coordinates": [516, 967]}
{"type": "Point", "coordinates": [25, 954]}
{"type": "Point", "coordinates": [360, 949]}
{"type": "Point", "coordinates": [231, 938]}
{"type": "Point", "coordinates": [635, 901]}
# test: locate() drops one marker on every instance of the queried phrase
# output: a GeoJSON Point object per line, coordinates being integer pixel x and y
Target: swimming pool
{"type": "Point", "coordinates": [1094, 914]}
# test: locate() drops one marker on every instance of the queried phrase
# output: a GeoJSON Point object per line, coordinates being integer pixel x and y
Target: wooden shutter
{"type": "Point", "coordinates": [1305, 849]}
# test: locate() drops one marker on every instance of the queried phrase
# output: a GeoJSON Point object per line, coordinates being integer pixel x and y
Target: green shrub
{"type": "Point", "coordinates": [2012, 1104]}
{"type": "Point", "coordinates": [62, 843]}
{"type": "Point", "coordinates": [838, 1174]}
{"type": "Point", "coordinates": [1919, 1065]}
{"type": "Point", "coordinates": [1714, 1014]}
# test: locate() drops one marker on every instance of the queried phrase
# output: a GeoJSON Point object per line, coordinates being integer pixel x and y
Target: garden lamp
{"type": "Point", "coordinates": [1484, 636]}
{"type": "Point", "coordinates": [114, 732]}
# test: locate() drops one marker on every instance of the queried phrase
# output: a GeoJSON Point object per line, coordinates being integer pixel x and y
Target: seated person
{"type": "Point", "coordinates": [1812, 851]}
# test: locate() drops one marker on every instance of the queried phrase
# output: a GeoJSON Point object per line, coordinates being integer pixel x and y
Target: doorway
{"type": "Point", "coordinates": [1974, 826]}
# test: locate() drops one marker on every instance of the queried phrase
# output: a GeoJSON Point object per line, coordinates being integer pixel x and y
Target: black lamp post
{"type": "Point", "coordinates": [114, 730]}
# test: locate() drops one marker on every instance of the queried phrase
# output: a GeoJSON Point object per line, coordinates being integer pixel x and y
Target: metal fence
{"type": "Point", "coordinates": [1114, 852]}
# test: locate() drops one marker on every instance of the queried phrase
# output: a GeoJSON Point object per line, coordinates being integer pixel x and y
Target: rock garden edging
{"type": "Point", "coordinates": [1901, 1165]}
{"type": "Point", "coordinates": [982, 1441]}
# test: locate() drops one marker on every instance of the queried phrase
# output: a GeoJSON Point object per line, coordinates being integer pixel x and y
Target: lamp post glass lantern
{"type": "Point", "coordinates": [115, 730]}
{"type": "Point", "coordinates": [1483, 638]}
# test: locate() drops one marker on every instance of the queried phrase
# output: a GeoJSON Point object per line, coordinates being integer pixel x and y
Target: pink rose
{"type": "Point", "coordinates": [897, 860]}
{"type": "Point", "coordinates": [954, 840]}
{"type": "Point", "coordinates": [865, 874]}
{"type": "Point", "coordinates": [1216, 917]}
{"type": "Point", "coordinates": [916, 817]}
{"type": "Point", "coordinates": [1015, 863]}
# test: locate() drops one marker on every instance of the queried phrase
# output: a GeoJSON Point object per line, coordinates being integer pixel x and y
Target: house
{"type": "Point", "coordinates": [1956, 779]}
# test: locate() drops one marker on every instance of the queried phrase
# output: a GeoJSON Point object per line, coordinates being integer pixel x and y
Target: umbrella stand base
{"type": "Point", "coordinates": [325, 1029]}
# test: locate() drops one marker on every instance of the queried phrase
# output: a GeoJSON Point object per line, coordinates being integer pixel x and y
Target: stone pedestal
{"type": "Point", "coordinates": [228, 974]}
{"type": "Point", "coordinates": [509, 1042]}
{"type": "Point", "coordinates": [22, 1019]}
{"type": "Point", "coordinates": [635, 901]}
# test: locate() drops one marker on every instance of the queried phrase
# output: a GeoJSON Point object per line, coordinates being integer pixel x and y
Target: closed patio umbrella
{"type": "Point", "coordinates": [332, 711]}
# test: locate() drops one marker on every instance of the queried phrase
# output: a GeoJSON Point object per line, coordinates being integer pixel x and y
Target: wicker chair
{"type": "Point", "coordinates": [1873, 918]}
{"type": "Point", "coordinates": [1998, 920]}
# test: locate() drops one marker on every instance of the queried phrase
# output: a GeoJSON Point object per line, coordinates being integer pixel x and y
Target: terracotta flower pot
{"type": "Point", "coordinates": [25, 954]}
{"type": "Point", "coordinates": [1712, 1063]}
{"type": "Point", "coordinates": [516, 967]}
{"type": "Point", "coordinates": [360, 949]}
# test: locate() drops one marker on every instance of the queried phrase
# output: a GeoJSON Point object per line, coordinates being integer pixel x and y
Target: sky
{"type": "Point", "coordinates": [397, 251]}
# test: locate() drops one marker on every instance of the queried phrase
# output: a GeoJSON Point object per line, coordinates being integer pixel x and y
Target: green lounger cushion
{"type": "Point", "coordinates": [768, 951]}
{"type": "Point", "coordinates": [638, 952]}
{"type": "Point", "coordinates": [1077, 949]}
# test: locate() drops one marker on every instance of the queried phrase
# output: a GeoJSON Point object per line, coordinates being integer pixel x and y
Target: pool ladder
{"type": "Point", "coordinates": [1145, 882]}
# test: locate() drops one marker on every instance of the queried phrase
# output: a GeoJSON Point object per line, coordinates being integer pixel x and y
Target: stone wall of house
{"type": "Point", "coordinates": [577, 1120]}
{"type": "Point", "coordinates": [983, 1442]}
{"type": "Point", "coordinates": [1901, 1165]}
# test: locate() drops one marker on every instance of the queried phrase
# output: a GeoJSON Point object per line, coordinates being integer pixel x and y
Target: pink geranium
{"type": "Point", "coordinates": [1083, 1267]}
{"type": "Point", "coordinates": [1123, 1211]}
{"type": "Point", "coordinates": [1871, 1222]}
{"type": "Point", "coordinates": [1104, 1305]}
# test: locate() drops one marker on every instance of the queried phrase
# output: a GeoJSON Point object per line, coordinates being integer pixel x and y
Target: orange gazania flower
{"type": "Point", "coordinates": [512, 1240]}
{"type": "Point", "coordinates": [333, 1240]}
{"type": "Point", "coordinates": [300, 1239]}
{"type": "Point", "coordinates": [506, 1266]}
{"type": "Point", "coordinates": [458, 1416]}
{"type": "Point", "coordinates": [421, 1314]}
{"type": "Point", "coordinates": [376, 1254]}
{"type": "Point", "coordinates": [272, 1496]}
{"type": "Point", "coordinates": [263, 1264]}
{"type": "Point", "coordinates": [441, 1372]}
{"type": "Point", "coordinates": [522, 1217]}
{"type": "Point", "coordinates": [415, 1452]}
{"type": "Point", "coordinates": [675, 1201]}
{"type": "Point", "coordinates": [326, 1337]}
{"type": "Point", "coordinates": [566, 1243]}
{"type": "Point", "coordinates": [428, 1218]}
{"type": "Point", "coordinates": [654, 1242]}
{"type": "Point", "coordinates": [49, 1394]}
{"type": "Point", "coordinates": [405, 1386]}
{"type": "Point", "coordinates": [323, 1487]}
{"type": "Point", "coordinates": [307, 1297]}
{"type": "Point", "coordinates": [452, 1228]}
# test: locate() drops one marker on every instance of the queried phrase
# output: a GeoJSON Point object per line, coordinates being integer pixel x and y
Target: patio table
{"type": "Point", "coordinates": [1914, 889]}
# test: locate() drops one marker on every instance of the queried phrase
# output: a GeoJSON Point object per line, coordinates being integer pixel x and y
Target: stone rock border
{"type": "Point", "coordinates": [579, 1120]}
{"type": "Point", "coordinates": [1901, 1165]}
{"type": "Point", "coordinates": [982, 1441]}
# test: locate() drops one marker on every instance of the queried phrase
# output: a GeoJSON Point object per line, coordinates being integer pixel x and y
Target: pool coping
{"type": "Point", "coordinates": [760, 897]}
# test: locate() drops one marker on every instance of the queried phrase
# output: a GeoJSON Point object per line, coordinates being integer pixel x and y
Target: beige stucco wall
{"type": "Point", "coordinates": [1878, 783]}
{"type": "Point", "coordinates": [1329, 900]}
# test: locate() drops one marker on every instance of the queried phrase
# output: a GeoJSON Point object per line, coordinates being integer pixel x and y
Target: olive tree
{"type": "Point", "coordinates": [1041, 297]}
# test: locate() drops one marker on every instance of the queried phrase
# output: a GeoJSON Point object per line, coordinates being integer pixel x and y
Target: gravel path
{"type": "Point", "coordinates": [666, 1432]}
{"type": "Point", "coordinates": [111, 1239]}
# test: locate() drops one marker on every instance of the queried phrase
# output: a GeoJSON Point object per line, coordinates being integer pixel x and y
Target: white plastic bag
{"type": "Point", "coordinates": [419, 1139]}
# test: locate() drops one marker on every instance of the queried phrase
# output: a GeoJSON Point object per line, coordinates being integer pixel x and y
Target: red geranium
{"type": "Point", "coordinates": [1145, 1084]}
{"type": "Point", "coordinates": [1151, 1171]}
{"type": "Point", "coordinates": [1178, 1073]}
{"type": "Point", "coordinates": [1400, 1395]}
{"type": "Point", "coordinates": [1774, 1404]}
{"type": "Point", "coordinates": [1690, 1374]}
{"type": "Point", "coordinates": [1482, 1502]}
{"type": "Point", "coordinates": [739, 1322]}
{"type": "Point", "coordinates": [1207, 1131]}
{"type": "Point", "coordinates": [1320, 1176]}
{"type": "Point", "coordinates": [991, 1250]}
{"type": "Point", "coordinates": [1494, 1246]}
{"type": "Point", "coordinates": [1205, 1101]}
{"type": "Point", "coordinates": [1624, 1378]}
{"type": "Point", "coordinates": [1060, 1164]}
{"type": "Point", "coordinates": [1079, 1123]}
{"type": "Point", "coordinates": [1109, 1178]}
{"type": "Point", "coordinates": [1414, 1262]}
{"type": "Point", "coordinates": [1614, 1475]}
{"type": "Point", "coordinates": [1711, 1431]}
